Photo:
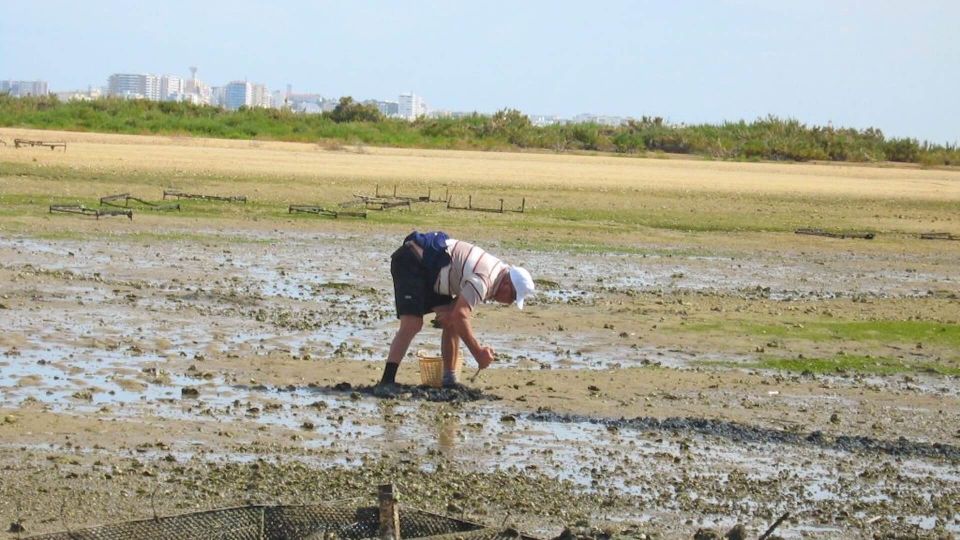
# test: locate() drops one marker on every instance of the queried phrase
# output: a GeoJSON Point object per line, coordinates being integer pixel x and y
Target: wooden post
{"type": "Point", "coordinates": [501, 206]}
{"type": "Point", "coordinates": [523, 204]}
{"type": "Point", "coordinates": [389, 513]}
{"type": "Point", "coordinates": [470, 202]}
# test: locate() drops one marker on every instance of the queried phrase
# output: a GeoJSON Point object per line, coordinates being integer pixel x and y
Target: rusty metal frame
{"type": "Point", "coordinates": [84, 211]}
{"type": "Point", "coordinates": [500, 210]}
{"type": "Point", "coordinates": [182, 195]}
{"type": "Point", "coordinates": [319, 210]}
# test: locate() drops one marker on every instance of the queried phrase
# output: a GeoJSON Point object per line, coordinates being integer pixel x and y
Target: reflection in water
{"type": "Point", "coordinates": [391, 420]}
{"type": "Point", "coordinates": [446, 421]}
{"type": "Point", "coordinates": [447, 436]}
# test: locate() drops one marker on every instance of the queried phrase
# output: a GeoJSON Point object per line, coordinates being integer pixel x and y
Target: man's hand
{"type": "Point", "coordinates": [485, 358]}
{"type": "Point", "coordinates": [456, 319]}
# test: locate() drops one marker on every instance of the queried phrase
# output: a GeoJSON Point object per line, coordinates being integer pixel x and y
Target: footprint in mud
{"type": "Point", "coordinates": [461, 393]}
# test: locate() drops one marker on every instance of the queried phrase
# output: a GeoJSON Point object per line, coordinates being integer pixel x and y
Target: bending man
{"type": "Point", "coordinates": [434, 273]}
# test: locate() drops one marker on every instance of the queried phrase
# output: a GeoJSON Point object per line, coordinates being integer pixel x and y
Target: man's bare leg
{"type": "Point", "coordinates": [449, 349]}
{"type": "Point", "coordinates": [410, 326]}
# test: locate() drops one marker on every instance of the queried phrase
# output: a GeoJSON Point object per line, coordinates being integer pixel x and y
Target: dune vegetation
{"type": "Point", "coordinates": [770, 138]}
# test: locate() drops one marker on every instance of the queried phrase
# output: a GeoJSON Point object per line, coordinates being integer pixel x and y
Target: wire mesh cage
{"type": "Point", "coordinates": [300, 522]}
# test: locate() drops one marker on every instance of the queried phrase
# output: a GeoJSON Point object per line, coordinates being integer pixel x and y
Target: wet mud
{"type": "Point", "coordinates": [232, 369]}
{"type": "Point", "coordinates": [408, 392]}
{"type": "Point", "coordinates": [742, 433]}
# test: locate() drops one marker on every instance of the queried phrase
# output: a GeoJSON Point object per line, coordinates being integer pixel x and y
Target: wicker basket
{"type": "Point", "coordinates": [431, 368]}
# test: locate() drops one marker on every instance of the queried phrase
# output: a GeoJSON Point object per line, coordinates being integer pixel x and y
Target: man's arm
{"type": "Point", "coordinates": [457, 319]}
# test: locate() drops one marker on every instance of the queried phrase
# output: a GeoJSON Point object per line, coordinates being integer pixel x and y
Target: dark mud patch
{"type": "Point", "coordinates": [408, 392]}
{"type": "Point", "coordinates": [742, 433]}
{"type": "Point", "coordinates": [397, 391]}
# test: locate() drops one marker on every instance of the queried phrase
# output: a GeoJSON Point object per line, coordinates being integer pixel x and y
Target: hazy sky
{"type": "Point", "coordinates": [889, 64]}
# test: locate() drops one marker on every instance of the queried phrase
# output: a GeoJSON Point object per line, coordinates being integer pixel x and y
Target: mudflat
{"type": "Point", "coordinates": [688, 362]}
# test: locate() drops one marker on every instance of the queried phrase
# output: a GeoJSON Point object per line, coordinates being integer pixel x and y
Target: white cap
{"type": "Point", "coordinates": [522, 283]}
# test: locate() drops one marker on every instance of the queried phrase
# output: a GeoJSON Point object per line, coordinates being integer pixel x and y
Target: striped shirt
{"type": "Point", "coordinates": [472, 273]}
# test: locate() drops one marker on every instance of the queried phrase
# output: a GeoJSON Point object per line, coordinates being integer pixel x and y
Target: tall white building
{"type": "Point", "coordinates": [237, 94]}
{"type": "Point", "coordinates": [411, 106]}
{"type": "Point", "coordinates": [152, 87]}
{"type": "Point", "coordinates": [134, 85]}
{"type": "Point", "coordinates": [23, 88]}
{"type": "Point", "coordinates": [171, 88]}
{"type": "Point", "coordinates": [261, 96]}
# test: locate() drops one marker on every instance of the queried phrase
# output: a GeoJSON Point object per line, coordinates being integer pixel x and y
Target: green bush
{"type": "Point", "coordinates": [769, 138]}
{"type": "Point", "coordinates": [905, 150]}
{"type": "Point", "coordinates": [350, 111]}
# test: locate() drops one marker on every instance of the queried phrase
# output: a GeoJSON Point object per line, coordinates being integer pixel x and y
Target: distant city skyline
{"type": "Point", "coordinates": [848, 63]}
{"type": "Point", "coordinates": [236, 94]}
{"type": "Point", "coordinates": [231, 95]}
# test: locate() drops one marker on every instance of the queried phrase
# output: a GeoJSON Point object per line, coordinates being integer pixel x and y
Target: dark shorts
{"type": "Point", "coordinates": [413, 293]}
